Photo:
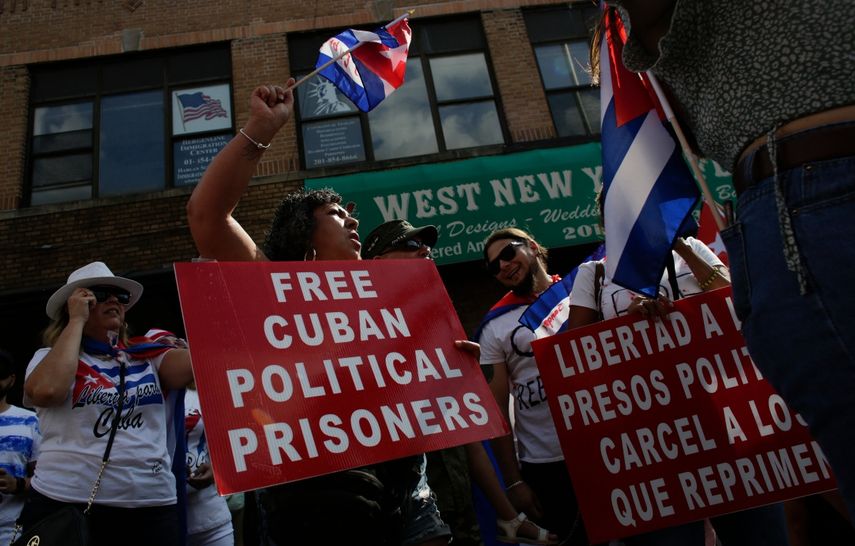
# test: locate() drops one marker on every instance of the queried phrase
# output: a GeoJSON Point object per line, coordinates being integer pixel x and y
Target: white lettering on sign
{"type": "Point", "coordinates": [283, 442]}
{"type": "Point", "coordinates": [315, 329]}
{"type": "Point", "coordinates": [280, 382]}
{"type": "Point", "coordinates": [623, 344]}
{"type": "Point", "coordinates": [335, 285]}
{"type": "Point", "coordinates": [765, 472]}
{"type": "Point", "coordinates": [397, 206]}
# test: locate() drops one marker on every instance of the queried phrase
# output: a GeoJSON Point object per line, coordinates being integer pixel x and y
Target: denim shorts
{"type": "Point", "coordinates": [803, 344]}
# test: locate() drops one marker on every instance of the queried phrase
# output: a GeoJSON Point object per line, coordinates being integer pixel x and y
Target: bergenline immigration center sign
{"type": "Point", "coordinates": [307, 368]}
{"type": "Point", "coordinates": [668, 421]}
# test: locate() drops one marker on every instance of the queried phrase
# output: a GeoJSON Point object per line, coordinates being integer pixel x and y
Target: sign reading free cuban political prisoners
{"type": "Point", "coordinates": [549, 192]}
{"type": "Point", "coordinates": [668, 421]}
{"type": "Point", "coordinates": [308, 368]}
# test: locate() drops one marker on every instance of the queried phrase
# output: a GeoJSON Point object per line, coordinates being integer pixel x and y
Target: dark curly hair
{"type": "Point", "coordinates": [290, 234]}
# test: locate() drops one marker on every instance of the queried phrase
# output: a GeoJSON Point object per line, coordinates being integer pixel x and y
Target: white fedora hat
{"type": "Point", "coordinates": [94, 274]}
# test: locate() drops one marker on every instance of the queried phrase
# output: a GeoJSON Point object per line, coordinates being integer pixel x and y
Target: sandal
{"type": "Point", "coordinates": [508, 529]}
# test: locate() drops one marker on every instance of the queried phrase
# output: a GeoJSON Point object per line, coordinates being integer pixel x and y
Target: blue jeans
{"type": "Point", "coordinates": [803, 344]}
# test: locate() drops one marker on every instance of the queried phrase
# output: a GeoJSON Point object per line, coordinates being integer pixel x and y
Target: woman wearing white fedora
{"type": "Point", "coordinates": [92, 386]}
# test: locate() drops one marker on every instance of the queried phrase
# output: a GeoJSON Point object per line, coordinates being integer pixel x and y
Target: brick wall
{"type": "Point", "coordinates": [146, 233]}
{"type": "Point", "coordinates": [14, 89]}
{"type": "Point", "coordinates": [523, 99]}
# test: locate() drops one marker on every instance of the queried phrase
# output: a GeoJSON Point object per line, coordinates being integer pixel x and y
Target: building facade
{"type": "Point", "coordinates": [112, 110]}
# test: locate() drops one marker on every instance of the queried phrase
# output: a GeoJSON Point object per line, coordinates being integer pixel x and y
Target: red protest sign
{"type": "Point", "coordinates": [307, 368]}
{"type": "Point", "coordinates": [668, 421]}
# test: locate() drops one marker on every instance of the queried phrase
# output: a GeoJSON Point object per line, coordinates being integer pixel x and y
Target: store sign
{"type": "Point", "coordinates": [333, 142]}
{"type": "Point", "coordinates": [549, 192]}
{"type": "Point", "coordinates": [191, 157]}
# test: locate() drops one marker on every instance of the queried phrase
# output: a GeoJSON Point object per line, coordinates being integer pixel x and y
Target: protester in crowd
{"type": "Point", "coordinates": [236, 503]}
{"type": "Point", "coordinates": [446, 468]}
{"type": "Point", "coordinates": [74, 384]}
{"type": "Point", "coordinates": [765, 89]}
{"type": "Point", "coordinates": [19, 449]}
{"type": "Point", "coordinates": [697, 269]}
{"type": "Point", "coordinates": [387, 503]}
{"type": "Point", "coordinates": [449, 469]}
{"type": "Point", "coordinates": [209, 522]}
{"type": "Point", "coordinates": [537, 481]}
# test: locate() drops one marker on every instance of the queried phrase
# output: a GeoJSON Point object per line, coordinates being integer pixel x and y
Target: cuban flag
{"type": "Point", "coordinates": [550, 313]}
{"type": "Point", "coordinates": [370, 72]}
{"type": "Point", "coordinates": [649, 192]}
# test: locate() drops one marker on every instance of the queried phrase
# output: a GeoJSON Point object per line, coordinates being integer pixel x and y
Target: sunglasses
{"type": "Point", "coordinates": [410, 245]}
{"type": "Point", "coordinates": [507, 254]}
{"type": "Point", "coordinates": [103, 293]}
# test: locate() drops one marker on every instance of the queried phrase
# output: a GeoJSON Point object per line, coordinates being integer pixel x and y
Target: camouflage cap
{"type": "Point", "coordinates": [390, 233]}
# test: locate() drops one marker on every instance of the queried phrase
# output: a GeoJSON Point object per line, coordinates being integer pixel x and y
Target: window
{"type": "Point", "coordinates": [447, 102]}
{"type": "Point", "coordinates": [561, 39]}
{"type": "Point", "coordinates": [127, 124]}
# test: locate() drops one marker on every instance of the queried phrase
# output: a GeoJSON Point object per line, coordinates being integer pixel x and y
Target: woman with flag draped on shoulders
{"type": "Point", "coordinates": [93, 387]}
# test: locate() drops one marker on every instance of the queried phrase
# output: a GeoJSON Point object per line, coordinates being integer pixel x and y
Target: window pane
{"type": "Point", "coordinates": [563, 65]}
{"type": "Point", "coordinates": [57, 170]}
{"type": "Point", "coordinates": [127, 74]}
{"type": "Point", "coordinates": [461, 77]}
{"type": "Point", "coordinates": [199, 64]}
{"type": "Point", "coordinates": [566, 115]}
{"type": "Point", "coordinates": [333, 142]}
{"type": "Point", "coordinates": [401, 126]}
{"type": "Point", "coordinates": [61, 195]}
{"type": "Point", "coordinates": [48, 120]}
{"type": "Point", "coordinates": [132, 149]}
{"type": "Point", "coordinates": [446, 36]}
{"type": "Point", "coordinates": [51, 82]}
{"type": "Point", "coordinates": [62, 141]}
{"type": "Point", "coordinates": [319, 98]}
{"type": "Point", "coordinates": [590, 99]}
{"type": "Point", "coordinates": [468, 125]}
{"type": "Point", "coordinates": [575, 21]}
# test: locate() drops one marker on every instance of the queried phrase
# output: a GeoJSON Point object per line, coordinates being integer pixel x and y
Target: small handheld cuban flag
{"type": "Point", "coordinates": [649, 190]}
{"type": "Point", "coordinates": [367, 66]}
{"type": "Point", "coordinates": [550, 313]}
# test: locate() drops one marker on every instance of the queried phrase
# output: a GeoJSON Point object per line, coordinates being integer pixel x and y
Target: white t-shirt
{"type": "Point", "coordinates": [19, 446]}
{"type": "Point", "coordinates": [75, 434]}
{"type": "Point", "coordinates": [205, 508]}
{"type": "Point", "coordinates": [505, 340]}
{"type": "Point", "coordinates": [615, 299]}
